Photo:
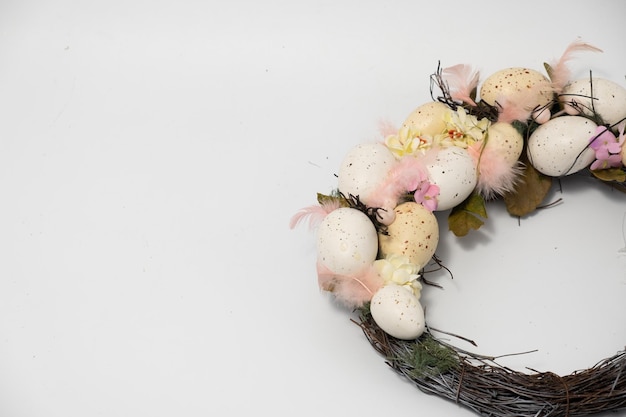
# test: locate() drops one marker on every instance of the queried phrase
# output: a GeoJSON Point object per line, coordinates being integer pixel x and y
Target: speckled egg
{"type": "Point", "coordinates": [428, 119]}
{"type": "Point", "coordinates": [506, 140]}
{"type": "Point", "coordinates": [414, 233]}
{"type": "Point", "coordinates": [347, 241]}
{"type": "Point", "coordinates": [609, 103]}
{"type": "Point", "coordinates": [561, 146]}
{"type": "Point", "coordinates": [364, 168]}
{"type": "Point", "coordinates": [454, 171]}
{"type": "Point", "coordinates": [517, 85]}
{"type": "Point", "coordinates": [398, 312]}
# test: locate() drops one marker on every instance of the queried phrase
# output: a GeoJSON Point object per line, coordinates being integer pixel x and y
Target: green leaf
{"type": "Point", "coordinates": [466, 216]}
{"type": "Point", "coordinates": [428, 357]}
{"type": "Point", "coordinates": [549, 70]}
{"type": "Point", "coordinates": [611, 174]}
{"type": "Point", "coordinates": [476, 204]}
{"type": "Point", "coordinates": [324, 198]}
{"type": "Point", "coordinates": [528, 193]}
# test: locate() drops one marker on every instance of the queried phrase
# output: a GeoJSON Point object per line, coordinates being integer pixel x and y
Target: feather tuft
{"type": "Point", "coordinates": [386, 128]}
{"type": "Point", "coordinates": [560, 73]}
{"type": "Point", "coordinates": [520, 109]}
{"type": "Point", "coordinates": [398, 181]}
{"type": "Point", "coordinates": [462, 81]}
{"type": "Point", "coordinates": [315, 214]}
{"type": "Point", "coordinates": [495, 176]}
{"type": "Point", "coordinates": [350, 290]}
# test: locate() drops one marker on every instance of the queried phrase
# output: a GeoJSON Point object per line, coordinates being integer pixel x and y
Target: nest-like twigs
{"type": "Point", "coordinates": [480, 384]}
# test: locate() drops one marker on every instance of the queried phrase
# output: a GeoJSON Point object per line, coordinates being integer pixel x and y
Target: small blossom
{"type": "Point", "coordinates": [407, 141]}
{"type": "Point", "coordinates": [424, 192]}
{"type": "Point", "coordinates": [462, 129]}
{"type": "Point", "coordinates": [604, 160]}
{"type": "Point", "coordinates": [398, 269]}
{"type": "Point", "coordinates": [607, 148]}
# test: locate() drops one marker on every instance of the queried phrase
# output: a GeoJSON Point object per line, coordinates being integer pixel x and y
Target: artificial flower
{"type": "Point", "coordinates": [605, 160]}
{"type": "Point", "coordinates": [607, 148]}
{"type": "Point", "coordinates": [426, 194]}
{"type": "Point", "coordinates": [398, 269]}
{"type": "Point", "coordinates": [423, 191]}
{"type": "Point", "coordinates": [407, 141]}
{"type": "Point", "coordinates": [462, 129]}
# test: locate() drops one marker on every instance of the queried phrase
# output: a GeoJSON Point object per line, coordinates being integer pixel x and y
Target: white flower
{"type": "Point", "coordinates": [398, 269]}
{"type": "Point", "coordinates": [407, 141]}
{"type": "Point", "coordinates": [462, 129]}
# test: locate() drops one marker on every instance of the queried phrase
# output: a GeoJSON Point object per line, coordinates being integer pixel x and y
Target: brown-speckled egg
{"type": "Point", "coordinates": [364, 168]}
{"type": "Point", "coordinates": [561, 146]}
{"type": "Point", "coordinates": [454, 172]}
{"type": "Point", "coordinates": [506, 140]}
{"type": "Point", "coordinates": [398, 312]}
{"type": "Point", "coordinates": [428, 119]}
{"type": "Point", "coordinates": [609, 99]}
{"type": "Point", "coordinates": [521, 85]}
{"type": "Point", "coordinates": [347, 241]}
{"type": "Point", "coordinates": [414, 233]}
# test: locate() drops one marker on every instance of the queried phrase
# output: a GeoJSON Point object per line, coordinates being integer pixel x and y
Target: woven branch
{"type": "Point", "coordinates": [480, 384]}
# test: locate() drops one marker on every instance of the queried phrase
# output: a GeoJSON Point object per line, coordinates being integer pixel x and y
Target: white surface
{"type": "Point", "coordinates": [152, 154]}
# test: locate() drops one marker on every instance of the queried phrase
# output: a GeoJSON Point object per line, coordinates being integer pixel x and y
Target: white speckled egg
{"type": "Point", "coordinates": [609, 103]}
{"type": "Point", "coordinates": [398, 312]}
{"type": "Point", "coordinates": [428, 119]}
{"type": "Point", "coordinates": [516, 84]}
{"type": "Point", "coordinates": [364, 168]}
{"type": "Point", "coordinates": [414, 233]}
{"type": "Point", "coordinates": [453, 170]}
{"type": "Point", "coordinates": [347, 241]}
{"type": "Point", "coordinates": [506, 140]}
{"type": "Point", "coordinates": [561, 146]}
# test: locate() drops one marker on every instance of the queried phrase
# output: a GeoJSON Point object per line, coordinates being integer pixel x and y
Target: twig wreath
{"type": "Point", "coordinates": [509, 137]}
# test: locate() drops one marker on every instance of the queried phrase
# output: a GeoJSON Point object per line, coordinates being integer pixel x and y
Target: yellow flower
{"type": "Point", "coordinates": [462, 129]}
{"type": "Point", "coordinates": [407, 141]}
{"type": "Point", "coordinates": [398, 269]}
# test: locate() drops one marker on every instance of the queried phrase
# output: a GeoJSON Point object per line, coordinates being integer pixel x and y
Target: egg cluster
{"type": "Point", "coordinates": [377, 231]}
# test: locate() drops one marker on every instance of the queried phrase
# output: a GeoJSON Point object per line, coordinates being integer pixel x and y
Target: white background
{"type": "Point", "coordinates": [152, 154]}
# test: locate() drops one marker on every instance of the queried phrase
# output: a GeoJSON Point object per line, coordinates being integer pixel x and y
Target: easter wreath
{"type": "Point", "coordinates": [377, 234]}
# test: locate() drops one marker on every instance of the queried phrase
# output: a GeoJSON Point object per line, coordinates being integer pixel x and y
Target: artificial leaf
{"type": "Point", "coordinates": [475, 203]}
{"type": "Point", "coordinates": [465, 216]}
{"type": "Point", "coordinates": [549, 70]}
{"type": "Point", "coordinates": [611, 174]}
{"type": "Point", "coordinates": [528, 193]}
{"type": "Point", "coordinates": [323, 198]}
{"type": "Point", "coordinates": [461, 222]}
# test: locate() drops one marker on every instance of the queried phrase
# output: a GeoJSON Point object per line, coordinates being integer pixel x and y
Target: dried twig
{"type": "Point", "coordinates": [480, 384]}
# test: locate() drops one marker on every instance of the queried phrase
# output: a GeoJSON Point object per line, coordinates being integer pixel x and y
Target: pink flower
{"type": "Point", "coordinates": [604, 138]}
{"type": "Point", "coordinates": [606, 161]}
{"type": "Point", "coordinates": [424, 192]}
{"type": "Point", "coordinates": [607, 148]}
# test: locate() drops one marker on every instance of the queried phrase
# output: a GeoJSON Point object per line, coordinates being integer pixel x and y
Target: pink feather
{"type": "Point", "coordinates": [560, 73]}
{"type": "Point", "coordinates": [520, 109]}
{"type": "Point", "coordinates": [462, 81]}
{"type": "Point", "coordinates": [495, 175]}
{"type": "Point", "coordinates": [398, 181]}
{"type": "Point", "coordinates": [315, 213]}
{"type": "Point", "coordinates": [352, 291]}
{"type": "Point", "coordinates": [386, 128]}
